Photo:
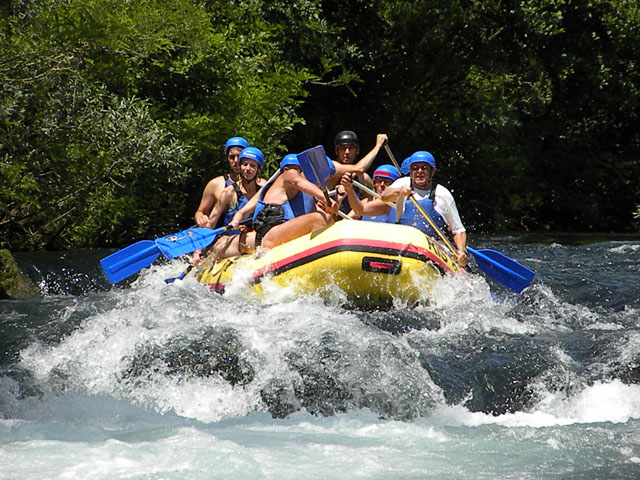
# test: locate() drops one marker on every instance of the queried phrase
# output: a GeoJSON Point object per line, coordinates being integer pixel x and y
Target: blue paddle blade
{"type": "Point", "coordinates": [503, 269]}
{"type": "Point", "coordinates": [316, 166]}
{"type": "Point", "coordinates": [130, 260]}
{"type": "Point", "coordinates": [187, 241]}
{"type": "Point", "coordinates": [502, 259]}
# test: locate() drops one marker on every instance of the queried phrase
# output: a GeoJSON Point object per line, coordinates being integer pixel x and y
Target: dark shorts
{"type": "Point", "coordinates": [267, 218]}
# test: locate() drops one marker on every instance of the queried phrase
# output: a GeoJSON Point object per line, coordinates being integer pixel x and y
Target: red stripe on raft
{"type": "Point", "coordinates": [393, 246]}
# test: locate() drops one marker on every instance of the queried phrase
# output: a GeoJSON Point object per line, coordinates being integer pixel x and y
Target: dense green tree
{"type": "Point", "coordinates": [529, 107]}
{"type": "Point", "coordinates": [73, 152]}
{"type": "Point", "coordinates": [113, 112]}
{"type": "Point", "coordinates": [588, 156]}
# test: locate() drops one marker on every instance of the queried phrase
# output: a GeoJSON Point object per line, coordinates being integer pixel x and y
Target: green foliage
{"type": "Point", "coordinates": [71, 177]}
{"type": "Point", "coordinates": [530, 107]}
{"type": "Point", "coordinates": [113, 112]}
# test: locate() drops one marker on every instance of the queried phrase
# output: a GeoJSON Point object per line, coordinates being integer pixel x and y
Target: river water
{"type": "Point", "coordinates": [150, 380]}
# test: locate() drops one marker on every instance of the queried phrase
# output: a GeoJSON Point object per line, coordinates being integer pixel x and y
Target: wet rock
{"type": "Point", "coordinates": [212, 353]}
{"type": "Point", "coordinates": [628, 372]}
{"type": "Point", "coordinates": [495, 376]}
{"type": "Point", "coordinates": [400, 321]}
{"type": "Point", "coordinates": [280, 399]}
{"type": "Point", "coordinates": [13, 283]}
{"type": "Point", "coordinates": [323, 388]}
{"type": "Point", "coordinates": [334, 376]}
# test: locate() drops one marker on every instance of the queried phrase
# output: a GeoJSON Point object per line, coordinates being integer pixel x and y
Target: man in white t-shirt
{"type": "Point", "coordinates": [434, 199]}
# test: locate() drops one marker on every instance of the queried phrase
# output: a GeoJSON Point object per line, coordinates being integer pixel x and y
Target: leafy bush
{"type": "Point", "coordinates": [114, 112]}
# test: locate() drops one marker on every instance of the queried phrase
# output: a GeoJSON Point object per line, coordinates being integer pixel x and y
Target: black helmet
{"type": "Point", "coordinates": [346, 136]}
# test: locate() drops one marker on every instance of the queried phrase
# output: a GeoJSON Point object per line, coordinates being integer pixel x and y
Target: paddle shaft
{"type": "Point", "coordinates": [503, 269]}
{"type": "Point", "coordinates": [181, 276]}
{"type": "Point", "coordinates": [371, 192]}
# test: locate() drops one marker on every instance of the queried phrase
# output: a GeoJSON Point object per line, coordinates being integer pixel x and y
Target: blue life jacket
{"type": "Point", "coordinates": [412, 216]}
{"type": "Point", "coordinates": [299, 205]}
{"type": "Point", "coordinates": [242, 201]}
{"type": "Point", "coordinates": [384, 218]}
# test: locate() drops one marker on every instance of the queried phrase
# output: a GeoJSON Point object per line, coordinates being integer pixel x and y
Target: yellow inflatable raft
{"type": "Point", "coordinates": [373, 263]}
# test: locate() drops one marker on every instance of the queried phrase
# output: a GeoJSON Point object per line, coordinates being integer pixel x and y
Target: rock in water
{"type": "Point", "coordinates": [13, 283]}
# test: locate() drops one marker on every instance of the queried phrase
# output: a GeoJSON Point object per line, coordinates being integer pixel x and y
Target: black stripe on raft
{"type": "Point", "coordinates": [319, 252]}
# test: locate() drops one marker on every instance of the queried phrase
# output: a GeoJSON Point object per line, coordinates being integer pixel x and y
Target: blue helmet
{"type": "Point", "coordinates": [253, 153]}
{"type": "Point", "coordinates": [235, 142]}
{"type": "Point", "coordinates": [289, 159]}
{"type": "Point", "coordinates": [422, 157]}
{"type": "Point", "coordinates": [404, 168]}
{"type": "Point", "coordinates": [387, 171]}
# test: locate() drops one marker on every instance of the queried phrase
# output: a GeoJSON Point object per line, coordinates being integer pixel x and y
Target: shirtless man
{"type": "Point", "coordinates": [347, 147]}
{"type": "Point", "coordinates": [213, 190]}
{"type": "Point", "coordinates": [282, 211]}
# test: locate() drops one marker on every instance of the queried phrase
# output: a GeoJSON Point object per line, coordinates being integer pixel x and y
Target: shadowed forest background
{"type": "Point", "coordinates": [113, 113]}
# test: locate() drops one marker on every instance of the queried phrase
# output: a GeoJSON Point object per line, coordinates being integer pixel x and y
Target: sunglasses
{"type": "Point", "coordinates": [415, 168]}
{"type": "Point", "coordinates": [386, 181]}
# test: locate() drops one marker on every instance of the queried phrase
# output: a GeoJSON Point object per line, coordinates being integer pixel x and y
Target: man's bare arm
{"type": "Point", "coordinates": [365, 162]}
{"type": "Point", "coordinates": [209, 196]}
{"type": "Point", "coordinates": [294, 179]}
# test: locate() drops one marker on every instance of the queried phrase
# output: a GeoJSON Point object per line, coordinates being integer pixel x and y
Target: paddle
{"type": "Point", "coordinates": [317, 168]}
{"type": "Point", "coordinates": [132, 259]}
{"type": "Point", "coordinates": [501, 268]}
{"type": "Point", "coordinates": [504, 270]}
